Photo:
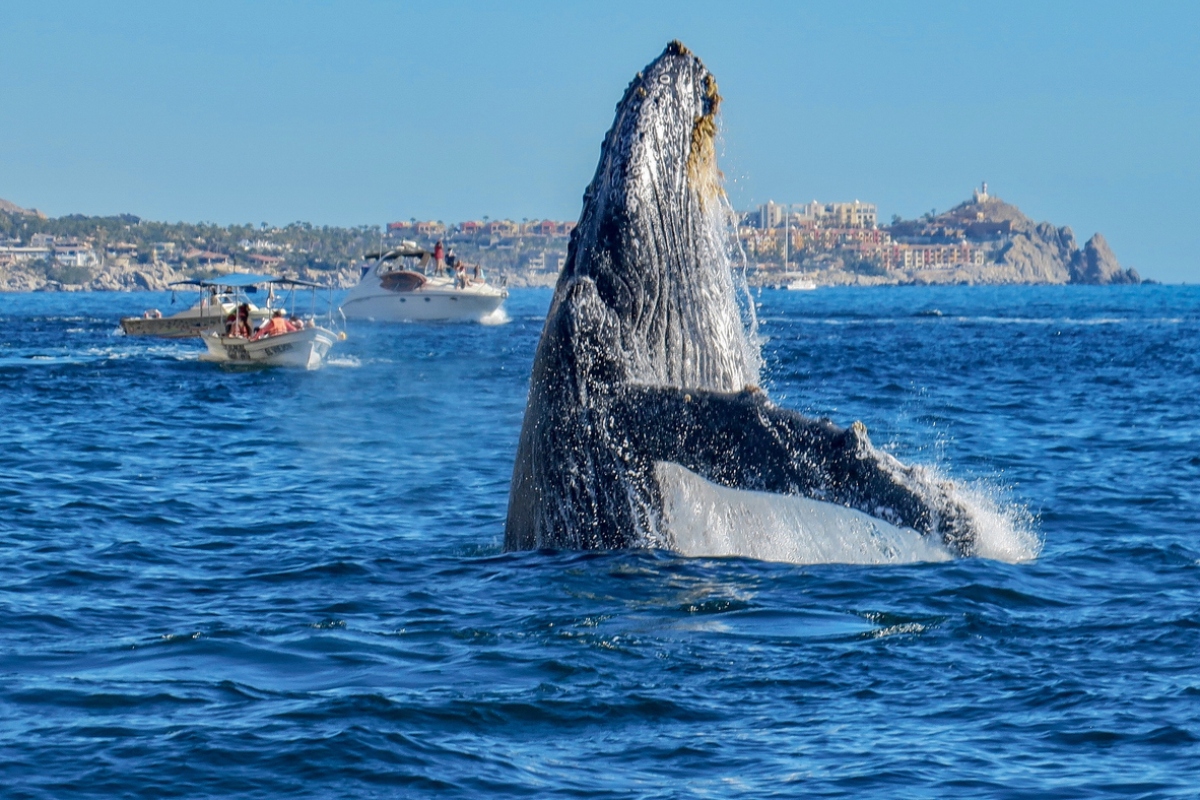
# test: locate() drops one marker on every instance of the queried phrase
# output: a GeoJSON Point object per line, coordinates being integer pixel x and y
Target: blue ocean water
{"type": "Point", "coordinates": [226, 583]}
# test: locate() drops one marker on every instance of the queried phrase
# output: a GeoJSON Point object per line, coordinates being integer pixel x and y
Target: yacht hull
{"type": "Point", "coordinates": [422, 305]}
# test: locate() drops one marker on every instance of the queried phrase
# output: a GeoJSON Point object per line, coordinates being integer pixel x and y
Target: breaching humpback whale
{"type": "Point", "coordinates": [644, 361]}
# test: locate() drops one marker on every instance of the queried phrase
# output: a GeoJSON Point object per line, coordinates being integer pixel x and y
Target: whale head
{"type": "Point", "coordinates": [653, 238]}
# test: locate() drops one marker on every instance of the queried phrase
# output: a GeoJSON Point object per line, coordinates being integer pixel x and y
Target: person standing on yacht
{"type": "Point", "coordinates": [438, 252]}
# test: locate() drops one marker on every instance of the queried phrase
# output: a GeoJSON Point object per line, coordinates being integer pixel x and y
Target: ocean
{"type": "Point", "coordinates": [267, 583]}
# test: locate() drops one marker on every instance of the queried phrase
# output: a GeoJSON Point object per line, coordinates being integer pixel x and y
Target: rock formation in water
{"type": "Point", "coordinates": [1018, 250]}
{"type": "Point", "coordinates": [1096, 264]}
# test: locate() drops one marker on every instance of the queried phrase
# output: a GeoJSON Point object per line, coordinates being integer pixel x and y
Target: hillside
{"type": "Point", "coordinates": [984, 240]}
{"type": "Point", "coordinates": [1037, 252]}
{"type": "Point", "coordinates": [1014, 248]}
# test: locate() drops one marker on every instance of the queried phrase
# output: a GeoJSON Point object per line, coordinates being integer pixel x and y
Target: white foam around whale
{"type": "Point", "coordinates": [704, 519]}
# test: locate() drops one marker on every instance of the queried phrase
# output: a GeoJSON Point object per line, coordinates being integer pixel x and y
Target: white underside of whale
{"type": "Point", "coordinates": [704, 519]}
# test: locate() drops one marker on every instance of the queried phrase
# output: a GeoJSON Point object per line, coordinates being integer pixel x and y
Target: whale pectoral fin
{"type": "Point", "coordinates": [743, 441]}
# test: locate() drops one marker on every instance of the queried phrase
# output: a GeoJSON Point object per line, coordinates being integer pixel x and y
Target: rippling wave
{"type": "Point", "coordinates": [272, 583]}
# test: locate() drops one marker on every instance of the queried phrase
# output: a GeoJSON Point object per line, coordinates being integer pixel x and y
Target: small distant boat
{"type": "Point", "coordinates": [796, 283]}
{"type": "Point", "coordinates": [218, 299]}
{"type": "Point", "coordinates": [400, 287]}
{"type": "Point", "coordinates": [285, 340]}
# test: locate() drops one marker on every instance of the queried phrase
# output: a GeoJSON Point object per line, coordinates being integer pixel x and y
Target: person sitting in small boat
{"type": "Point", "coordinates": [296, 324]}
{"type": "Point", "coordinates": [272, 327]}
{"type": "Point", "coordinates": [238, 324]}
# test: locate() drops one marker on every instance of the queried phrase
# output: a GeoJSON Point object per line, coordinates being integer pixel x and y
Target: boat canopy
{"type": "Point", "coordinates": [242, 280]}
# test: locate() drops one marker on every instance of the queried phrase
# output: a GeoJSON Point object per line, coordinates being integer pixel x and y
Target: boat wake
{"type": "Point", "coordinates": [497, 317]}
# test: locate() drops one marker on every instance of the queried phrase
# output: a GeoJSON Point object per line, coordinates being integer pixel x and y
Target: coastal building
{"type": "Point", "coordinates": [771, 215]}
{"type": "Point", "coordinates": [264, 261]}
{"type": "Point", "coordinates": [939, 256]}
{"type": "Point", "coordinates": [74, 253]}
{"type": "Point", "coordinates": [120, 250]}
{"type": "Point", "coordinates": [504, 228]}
{"type": "Point", "coordinates": [261, 245]}
{"type": "Point", "coordinates": [207, 258]}
{"type": "Point", "coordinates": [855, 214]}
{"type": "Point", "coordinates": [536, 261]}
{"type": "Point", "coordinates": [15, 254]}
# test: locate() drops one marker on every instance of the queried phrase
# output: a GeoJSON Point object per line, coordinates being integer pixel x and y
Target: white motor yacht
{"type": "Point", "coordinates": [401, 286]}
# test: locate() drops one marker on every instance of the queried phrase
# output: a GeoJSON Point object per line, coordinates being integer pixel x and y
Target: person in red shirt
{"type": "Point", "coordinates": [438, 252]}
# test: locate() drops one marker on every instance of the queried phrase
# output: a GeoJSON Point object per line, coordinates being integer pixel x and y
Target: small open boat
{"type": "Point", "coordinates": [305, 348]}
{"type": "Point", "coordinates": [295, 340]}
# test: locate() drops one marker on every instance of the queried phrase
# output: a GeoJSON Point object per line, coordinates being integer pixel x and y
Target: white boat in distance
{"type": "Point", "coordinates": [399, 287]}
{"type": "Point", "coordinates": [279, 342]}
{"type": "Point", "coordinates": [218, 299]}
{"type": "Point", "coordinates": [795, 282]}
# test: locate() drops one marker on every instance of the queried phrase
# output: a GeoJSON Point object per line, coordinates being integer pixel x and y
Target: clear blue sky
{"type": "Point", "coordinates": [1084, 114]}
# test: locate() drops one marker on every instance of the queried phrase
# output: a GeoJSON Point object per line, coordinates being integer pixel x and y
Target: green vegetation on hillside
{"type": "Point", "coordinates": [301, 244]}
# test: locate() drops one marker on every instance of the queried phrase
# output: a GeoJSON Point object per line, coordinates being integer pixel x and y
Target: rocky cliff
{"type": "Point", "coordinates": [1096, 264]}
{"type": "Point", "coordinates": [1038, 252]}
{"type": "Point", "coordinates": [119, 276]}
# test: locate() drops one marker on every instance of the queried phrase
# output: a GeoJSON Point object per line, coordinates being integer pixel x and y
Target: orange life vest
{"type": "Point", "coordinates": [274, 326]}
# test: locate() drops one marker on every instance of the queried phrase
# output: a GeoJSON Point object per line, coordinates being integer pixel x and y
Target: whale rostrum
{"type": "Point", "coordinates": [645, 358]}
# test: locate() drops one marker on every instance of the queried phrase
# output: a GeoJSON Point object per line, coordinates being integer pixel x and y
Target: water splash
{"type": "Point", "coordinates": [1005, 530]}
{"type": "Point", "coordinates": [497, 317]}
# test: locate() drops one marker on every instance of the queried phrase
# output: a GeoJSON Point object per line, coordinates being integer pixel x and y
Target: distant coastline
{"type": "Point", "coordinates": [982, 241]}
